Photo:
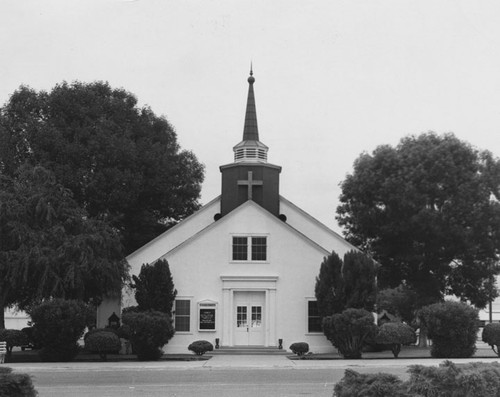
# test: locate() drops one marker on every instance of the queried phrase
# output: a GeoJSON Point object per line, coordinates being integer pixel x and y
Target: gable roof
{"type": "Point", "coordinates": [311, 225]}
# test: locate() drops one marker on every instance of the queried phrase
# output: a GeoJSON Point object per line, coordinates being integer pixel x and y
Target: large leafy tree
{"type": "Point", "coordinates": [428, 210]}
{"type": "Point", "coordinates": [50, 248]}
{"type": "Point", "coordinates": [348, 283]}
{"type": "Point", "coordinates": [122, 163]}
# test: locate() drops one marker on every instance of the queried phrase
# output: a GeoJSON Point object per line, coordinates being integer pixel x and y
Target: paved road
{"type": "Point", "coordinates": [221, 376]}
{"type": "Point", "coordinates": [191, 382]}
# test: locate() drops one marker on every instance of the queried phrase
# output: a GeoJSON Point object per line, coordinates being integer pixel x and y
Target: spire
{"type": "Point", "coordinates": [250, 149]}
{"type": "Point", "coordinates": [250, 130]}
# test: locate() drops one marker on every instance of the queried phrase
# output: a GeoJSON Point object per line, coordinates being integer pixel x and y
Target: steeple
{"type": "Point", "coordinates": [250, 149]}
{"type": "Point", "coordinates": [250, 176]}
{"type": "Point", "coordinates": [251, 130]}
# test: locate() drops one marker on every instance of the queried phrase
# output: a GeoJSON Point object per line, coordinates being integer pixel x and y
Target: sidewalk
{"type": "Point", "coordinates": [250, 362]}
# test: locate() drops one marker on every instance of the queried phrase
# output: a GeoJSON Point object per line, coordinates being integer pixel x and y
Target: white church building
{"type": "Point", "coordinates": [245, 264]}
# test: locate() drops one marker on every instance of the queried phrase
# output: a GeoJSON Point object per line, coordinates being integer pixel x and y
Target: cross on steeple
{"type": "Point", "coordinates": [250, 183]}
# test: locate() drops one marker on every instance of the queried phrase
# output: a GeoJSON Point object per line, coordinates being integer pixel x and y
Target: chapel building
{"type": "Point", "coordinates": [245, 264]}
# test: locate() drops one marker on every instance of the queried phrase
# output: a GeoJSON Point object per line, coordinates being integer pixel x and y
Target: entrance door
{"type": "Point", "coordinates": [249, 318]}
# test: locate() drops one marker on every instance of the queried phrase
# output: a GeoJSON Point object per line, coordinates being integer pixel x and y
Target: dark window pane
{"type": "Point", "coordinates": [259, 248]}
{"type": "Point", "coordinates": [240, 248]}
{"type": "Point", "coordinates": [313, 318]}
{"type": "Point", "coordinates": [182, 315]}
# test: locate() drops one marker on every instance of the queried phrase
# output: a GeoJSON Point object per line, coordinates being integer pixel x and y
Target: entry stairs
{"type": "Point", "coordinates": [248, 350]}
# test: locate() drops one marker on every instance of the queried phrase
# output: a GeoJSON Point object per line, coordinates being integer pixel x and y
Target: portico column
{"type": "Point", "coordinates": [227, 308]}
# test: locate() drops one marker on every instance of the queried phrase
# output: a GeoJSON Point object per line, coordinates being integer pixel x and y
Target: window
{"type": "Point", "coordinates": [313, 318]}
{"type": "Point", "coordinates": [182, 315]}
{"type": "Point", "coordinates": [254, 248]}
{"type": "Point", "coordinates": [259, 248]}
{"type": "Point", "coordinates": [240, 248]}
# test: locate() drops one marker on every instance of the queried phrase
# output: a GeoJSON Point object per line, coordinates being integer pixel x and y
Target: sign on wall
{"type": "Point", "coordinates": [207, 313]}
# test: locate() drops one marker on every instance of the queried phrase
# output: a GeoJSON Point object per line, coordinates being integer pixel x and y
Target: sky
{"type": "Point", "coordinates": [333, 79]}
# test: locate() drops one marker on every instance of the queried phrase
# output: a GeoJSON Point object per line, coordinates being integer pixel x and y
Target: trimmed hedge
{"type": "Point", "coordinates": [58, 324]}
{"type": "Point", "coordinates": [103, 343]}
{"type": "Point", "coordinates": [395, 335]}
{"type": "Point", "coordinates": [149, 332]}
{"type": "Point", "coordinates": [15, 385]}
{"type": "Point", "coordinates": [447, 380]}
{"type": "Point", "coordinates": [453, 328]}
{"type": "Point", "coordinates": [354, 384]}
{"type": "Point", "coordinates": [13, 337]}
{"type": "Point", "coordinates": [200, 347]}
{"type": "Point", "coordinates": [491, 336]}
{"type": "Point", "coordinates": [299, 348]}
{"type": "Point", "coordinates": [349, 330]}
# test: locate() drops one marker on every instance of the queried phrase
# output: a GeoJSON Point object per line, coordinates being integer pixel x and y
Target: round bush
{"type": "Point", "coordinates": [395, 335]}
{"type": "Point", "coordinates": [491, 336]}
{"type": "Point", "coordinates": [149, 332]}
{"type": "Point", "coordinates": [13, 337]}
{"type": "Point", "coordinates": [103, 343]}
{"type": "Point", "coordinates": [453, 328]}
{"type": "Point", "coordinates": [99, 330]}
{"type": "Point", "coordinates": [349, 330]}
{"type": "Point", "coordinates": [58, 324]}
{"type": "Point", "coordinates": [299, 348]}
{"type": "Point", "coordinates": [200, 347]}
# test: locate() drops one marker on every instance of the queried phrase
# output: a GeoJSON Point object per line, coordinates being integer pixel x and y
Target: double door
{"type": "Point", "coordinates": [249, 324]}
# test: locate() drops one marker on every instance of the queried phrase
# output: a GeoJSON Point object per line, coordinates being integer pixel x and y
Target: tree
{"type": "Point", "coordinates": [50, 248]}
{"type": "Point", "coordinates": [400, 301]}
{"type": "Point", "coordinates": [122, 163]}
{"type": "Point", "coordinates": [154, 287]}
{"type": "Point", "coordinates": [350, 283]}
{"type": "Point", "coordinates": [428, 211]}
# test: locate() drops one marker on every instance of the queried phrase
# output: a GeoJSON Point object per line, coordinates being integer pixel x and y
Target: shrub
{"type": "Point", "coordinates": [15, 385]}
{"type": "Point", "coordinates": [13, 337]}
{"type": "Point", "coordinates": [200, 347]}
{"type": "Point", "coordinates": [99, 330]}
{"type": "Point", "coordinates": [103, 343]}
{"type": "Point", "coordinates": [33, 342]}
{"type": "Point", "coordinates": [466, 380]}
{"type": "Point", "coordinates": [491, 336]}
{"type": "Point", "coordinates": [349, 330]}
{"type": "Point", "coordinates": [149, 332]}
{"type": "Point", "coordinates": [299, 348]}
{"type": "Point", "coordinates": [449, 379]}
{"type": "Point", "coordinates": [58, 324]}
{"type": "Point", "coordinates": [354, 384]}
{"type": "Point", "coordinates": [453, 328]}
{"type": "Point", "coordinates": [395, 335]}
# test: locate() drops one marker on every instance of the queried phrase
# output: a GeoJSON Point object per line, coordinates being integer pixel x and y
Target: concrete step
{"type": "Point", "coordinates": [248, 350]}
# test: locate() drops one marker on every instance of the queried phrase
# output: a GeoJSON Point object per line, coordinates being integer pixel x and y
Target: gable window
{"type": "Point", "coordinates": [313, 318]}
{"type": "Point", "coordinates": [182, 315]}
{"type": "Point", "coordinates": [250, 248]}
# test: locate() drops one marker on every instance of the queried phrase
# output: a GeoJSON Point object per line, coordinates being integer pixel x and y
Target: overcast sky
{"type": "Point", "coordinates": [333, 78]}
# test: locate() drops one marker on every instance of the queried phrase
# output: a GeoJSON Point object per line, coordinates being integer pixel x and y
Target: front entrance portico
{"type": "Point", "coordinates": [249, 311]}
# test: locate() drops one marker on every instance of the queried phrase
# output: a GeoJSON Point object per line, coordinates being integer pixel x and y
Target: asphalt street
{"type": "Point", "coordinates": [221, 376]}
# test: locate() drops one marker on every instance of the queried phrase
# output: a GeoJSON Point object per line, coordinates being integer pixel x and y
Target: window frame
{"type": "Point", "coordinates": [308, 317]}
{"type": "Point", "coordinates": [189, 315]}
{"type": "Point", "coordinates": [252, 249]}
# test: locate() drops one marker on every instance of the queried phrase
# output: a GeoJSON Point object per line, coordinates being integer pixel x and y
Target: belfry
{"type": "Point", "coordinates": [250, 176]}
